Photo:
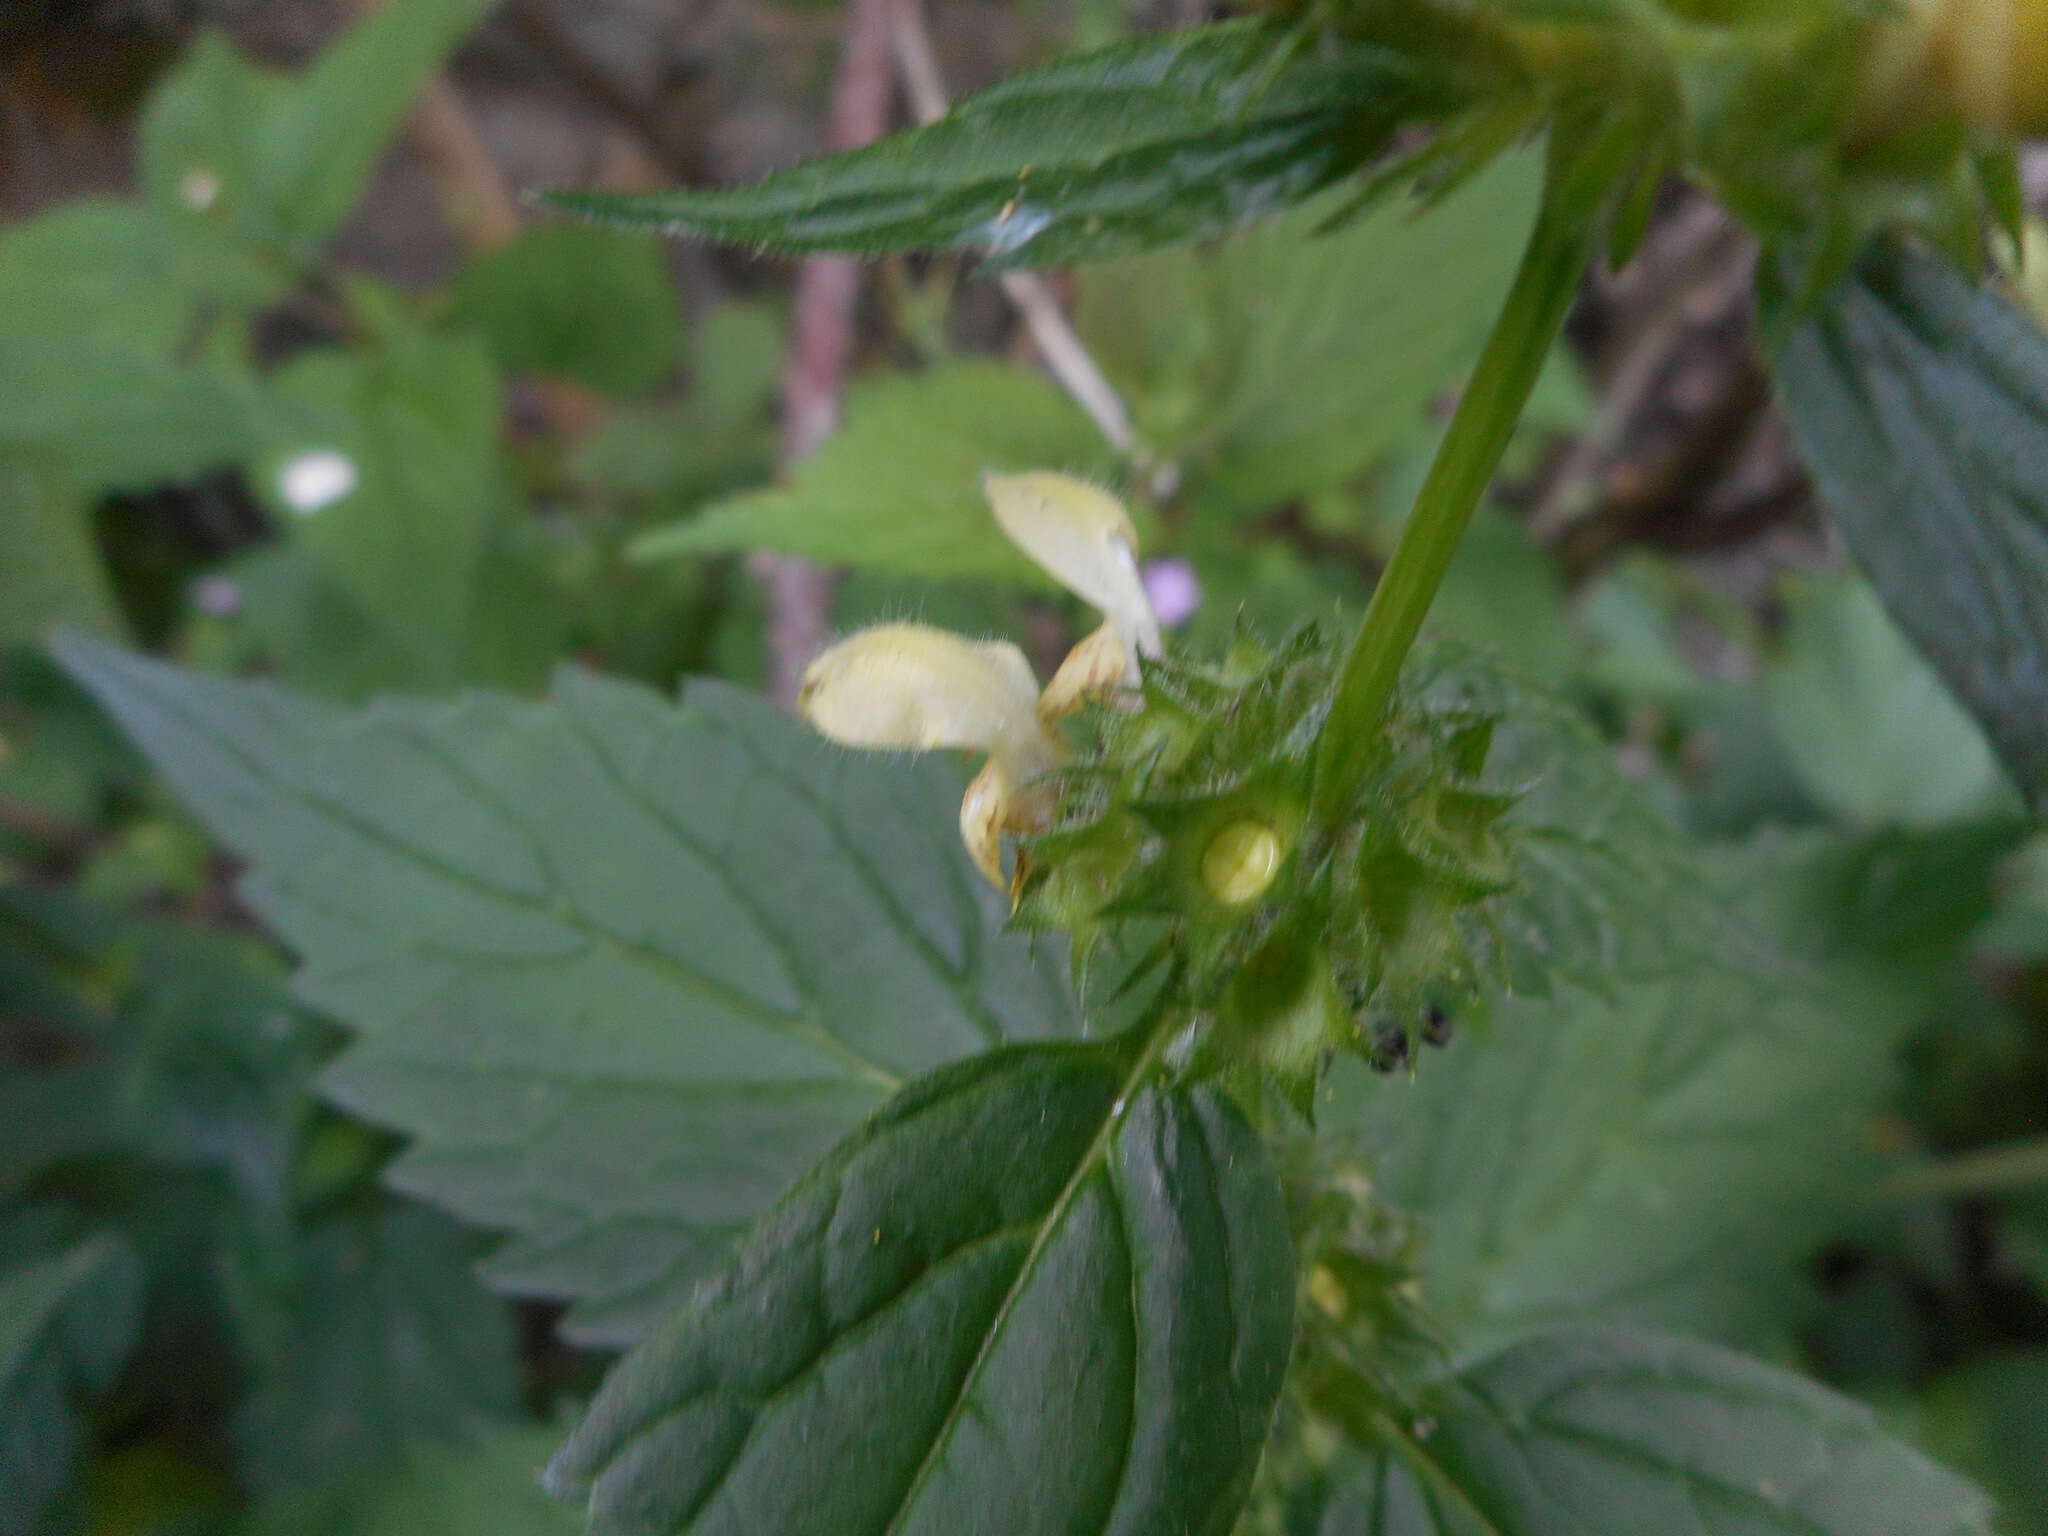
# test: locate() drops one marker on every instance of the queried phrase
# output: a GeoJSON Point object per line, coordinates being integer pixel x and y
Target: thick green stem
{"type": "Point", "coordinates": [1522, 338]}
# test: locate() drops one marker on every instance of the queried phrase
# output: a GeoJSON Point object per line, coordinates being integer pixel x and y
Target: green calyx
{"type": "Point", "coordinates": [1290, 936]}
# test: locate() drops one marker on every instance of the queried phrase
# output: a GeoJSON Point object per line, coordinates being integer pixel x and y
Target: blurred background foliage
{"type": "Point", "coordinates": [289, 385]}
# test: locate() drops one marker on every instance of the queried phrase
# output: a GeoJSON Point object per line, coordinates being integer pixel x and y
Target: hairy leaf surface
{"type": "Point", "coordinates": [1609, 1432]}
{"type": "Point", "coordinates": [622, 970]}
{"type": "Point", "coordinates": [1175, 136]}
{"type": "Point", "coordinates": [1031, 1296]}
{"type": "Point", "coordinates": [1921, 403]}
{"type": "Point", "coordinates": [1668, 1151]}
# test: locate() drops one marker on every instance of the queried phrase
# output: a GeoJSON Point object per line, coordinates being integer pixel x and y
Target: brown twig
{"type": "Point", "coordinates": [1066, 356]}
{"type": "Point", "coordinates": [649, 152]}
{"type": "Point", "coordinates": [820, 347]}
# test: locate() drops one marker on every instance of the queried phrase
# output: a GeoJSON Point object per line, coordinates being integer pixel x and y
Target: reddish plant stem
{"type": "Point", "coordinates": [821, 342]}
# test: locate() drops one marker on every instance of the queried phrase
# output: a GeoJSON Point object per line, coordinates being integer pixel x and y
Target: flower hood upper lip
{"type": "Point", "coordinates": [913, 687]}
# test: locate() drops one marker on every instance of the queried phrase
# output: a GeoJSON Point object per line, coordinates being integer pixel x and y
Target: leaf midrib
{"type": "Point", "coordinates": [659, 961]}
{"type": "Point", "coordinates": [1092, 1161]}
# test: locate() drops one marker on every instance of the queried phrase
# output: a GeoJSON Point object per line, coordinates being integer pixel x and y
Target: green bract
{"type": "Point", "coordinates": [1288, 939]}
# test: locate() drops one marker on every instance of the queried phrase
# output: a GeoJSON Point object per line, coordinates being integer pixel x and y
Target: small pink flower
{"type": "Point", "coordinates": [1175, 591]}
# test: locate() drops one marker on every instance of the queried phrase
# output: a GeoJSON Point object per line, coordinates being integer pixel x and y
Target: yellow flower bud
{"type": "Point", "coordinates": [1241, 861]}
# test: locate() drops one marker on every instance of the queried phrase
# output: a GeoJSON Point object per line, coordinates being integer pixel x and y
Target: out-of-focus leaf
{"type": "Point", "coordinates": [1608, 1432]}
{"type": "Point", "coordinates": [1072, 1315]}
{"type": "Point", "coordinates": [1997, 1410]}
{"type": "Point", "coordinates": [2020, 925]}
{"type": "Point", "coordinates": [1921, 403]}
{"type": "Point", "coordinates": [483, 1485]}
{"type": "Point", "coordinates": [1288, 360]}
{"type": "Point", "coordinates": [717, 437]}
{"type": "Point", "coordinates": [66, 1325]}
{"type": "Point", "coordinates": [383, 1338]}
{"type": "Point", "coordinates": [195, 136]}
{"type": "Point", "coordinates": [108, 271]}
{"type": "Point", "coordinates": [1606, 891]}
{"type": "Point", "coordinates": [284, 162]}
{"type": "Point", "coordinates": [395, 485]}
{"type": "Point", "coordinates": [52, 572]}
{"type": "Point", "coordinates": [292, 618]}
{"type": "Point", "coordinates": [1668, 1152]}
{"type": "Point", "coordinates": [1169, 137]}
{"type": "Point", "coordinates": [581, 304]}
{"type": "Point", "coordinates": [325, 134]}
{"type": "Point", "coordinates": [1502, 596]}
{"type": "Point", "coordinates": [1874, 734]}
{"type": "Point", "coordinates": [900, 485]}
{"type": "Point", "coordinates": [621, 969]}
{"type": "Point", "coordinates": [119, 418]}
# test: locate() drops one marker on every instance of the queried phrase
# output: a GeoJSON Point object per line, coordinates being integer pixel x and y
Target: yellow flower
{"type": "Point", "coordinates": [1985, 59]}
{"type": "Point", "coordinates": [912, 687]}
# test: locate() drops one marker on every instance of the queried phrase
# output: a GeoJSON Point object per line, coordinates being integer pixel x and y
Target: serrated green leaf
{"type": "Point", "coordinates": [1921, 404]}
{"type": "Point", "coordinates": [1032, 1295]}
{"type": "Point", "coordinates": [621, 969]}
{"type": "Point", "coordinates": [1679, 1146]}
{"type": "Point", "coordinates": [1605, 890]}
{"type": "Point", "coordinates": [1609, 1432]}
{"type": "Point", "coordinates": [1289, 359]}
{"type": "Point", "coordinates": [52, 573]}
{"type": "Point", "coordinates": [1873, 733]}
{"type": "Point", "coordinates": [599, 309]}
{"type": "Point", "coordinates": [384, 1338]}
{"type": "Point", "coordinates": [900, 485]}
{"type": "Point", "coordinates": [1170, 137]}
{"type": "Point", "coordinates": [66, 1324]}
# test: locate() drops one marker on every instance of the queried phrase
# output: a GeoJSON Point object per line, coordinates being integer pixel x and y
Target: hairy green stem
{"type": "Point", "coordinates": [1528, 326]}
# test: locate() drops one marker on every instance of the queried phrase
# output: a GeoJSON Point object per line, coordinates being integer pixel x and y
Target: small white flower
{"type": "Point", "coordinates": [908, 686]}
{"type": "Point", "coordinates": [313, 481]}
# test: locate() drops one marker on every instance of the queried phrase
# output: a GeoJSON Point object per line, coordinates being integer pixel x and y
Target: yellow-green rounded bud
{"type": "Point", "coordinates": [1241, 861]}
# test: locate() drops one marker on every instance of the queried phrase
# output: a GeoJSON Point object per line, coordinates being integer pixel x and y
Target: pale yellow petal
{"type": "Point", "coordinates": [1094, 670]}
{"type": "Point", "coordinates": [909, 686]}
{"type": "Point", "coordinates": [1082, 536]}
{"type": "Point", "coordinates": [983, 812]}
